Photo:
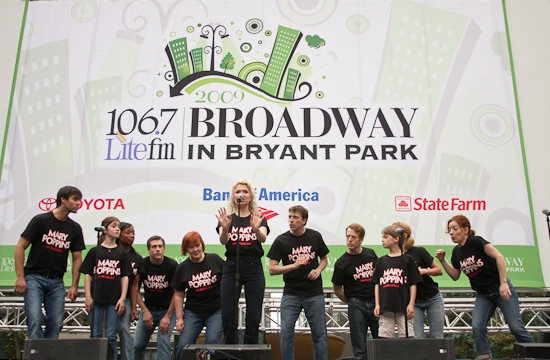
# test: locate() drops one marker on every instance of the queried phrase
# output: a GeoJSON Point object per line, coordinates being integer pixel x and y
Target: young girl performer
{"type": "Point", "coordinates": [125, 241]}
{"type": "Point", "coordinates": [428, 298]}
{"type": "Point", "coordinates": [107, 268]}
{"type": "Point", "coordinates": [395, 279]}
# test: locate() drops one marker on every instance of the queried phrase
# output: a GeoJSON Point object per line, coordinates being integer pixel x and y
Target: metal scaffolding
{"type": "Point", "coordinates": [458, 315]}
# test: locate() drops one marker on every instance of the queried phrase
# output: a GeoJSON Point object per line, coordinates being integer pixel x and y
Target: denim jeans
{"type": "Point", "coordinates": [104, 324]}
{"type": "Point", "coordinates": [485, 307]}
{"type": "Point", "coordinates": [126, 338]}
{"type": "Point", "coordinates": [435, 309]}
{"type": "Point", "coordinates": [51, 293]}
{"type": "Point", "coordinates": [252, 277]}
{"type": "Point", "coordinates": [361, 318]}
{"type": "Point", "coordinates": [314, 308]}
{"type": "Point", "coordinates": [193, 323]}
{"type": "Point", "coordinates": [143, 334]}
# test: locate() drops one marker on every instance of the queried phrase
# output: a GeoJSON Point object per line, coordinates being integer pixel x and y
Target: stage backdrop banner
{"type": "Point", "coordinates": [362, 111]}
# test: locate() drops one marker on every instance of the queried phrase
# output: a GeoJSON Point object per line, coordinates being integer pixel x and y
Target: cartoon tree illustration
{"type": "Point", "coordinates": [228, 62]}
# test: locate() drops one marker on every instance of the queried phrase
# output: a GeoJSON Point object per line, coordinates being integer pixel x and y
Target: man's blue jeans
{"type": "Point", "coordinates": [435, 309]}
{"type": "Point", "coordinates": [143, 334]}
{"type": "Point", "coordinates": [104, 322]}
{"type": "Point", "coordinates": [485, 307]}
{"type": "Point", "coordinates": [51, 293]}
{"type": "Point", "coordinates": [361, 318]}
{"type": "Point", "coordinates": [126, 338]}
{"type": "Point", "coordinates": [193, 323]}
{"type": "Point", "coordinates": [252, 277]}
{"type": "Point", "coordinates": [314, 308]}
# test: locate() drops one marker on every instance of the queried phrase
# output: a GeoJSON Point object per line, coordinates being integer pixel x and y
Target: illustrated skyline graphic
{"type": "Point", "coordinates": [188, 66]}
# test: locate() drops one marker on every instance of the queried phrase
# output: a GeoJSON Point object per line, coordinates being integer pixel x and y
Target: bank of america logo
{"type": "Point", "coordinates": [277, 80]}
{"type": "Point", "coordinates": [267, 213]}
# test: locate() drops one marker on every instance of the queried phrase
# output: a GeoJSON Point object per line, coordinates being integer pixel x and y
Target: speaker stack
{"type": "Point", "coordinates": [531, 351]}
{"type": "Point", "coordinates": [410, 349]}
{"type": "Point", "coordinates": [66, 349]}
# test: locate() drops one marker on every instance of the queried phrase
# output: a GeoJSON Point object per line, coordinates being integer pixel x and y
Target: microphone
{"type": "Point", "coordinates": [546, 212]}
{"type": "Point", "coordinates": [240, 198]}
{"type": "Point", "coordinates": [100, 228]}
{"type": "Point", "coordinates": [399, 231]}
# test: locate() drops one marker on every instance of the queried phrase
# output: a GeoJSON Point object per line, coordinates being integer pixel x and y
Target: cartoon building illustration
{"type": "Point", "coordinates": [291, 83]}
{"type": "Point", "coordinates": [177, 53]}
{"type": "Point", "coordinates": [98, 97]}
{"type": "Point", "coordinates": [45, 117]}
{"type": "Point", "coordinates": [196, 58]}
{"type": "Point", "coordinates": [285, 44]}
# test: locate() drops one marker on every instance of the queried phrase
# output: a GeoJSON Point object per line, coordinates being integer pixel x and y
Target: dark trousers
{"type": "Point", "coordinates": [252, 278]}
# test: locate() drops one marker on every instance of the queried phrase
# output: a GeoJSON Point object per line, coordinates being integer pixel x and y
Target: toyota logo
{"type": "Point", "coordinates": [47, 204]}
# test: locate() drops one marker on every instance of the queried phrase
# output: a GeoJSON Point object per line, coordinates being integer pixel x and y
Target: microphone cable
{"type": "Point", "coordinates": [206, 354]}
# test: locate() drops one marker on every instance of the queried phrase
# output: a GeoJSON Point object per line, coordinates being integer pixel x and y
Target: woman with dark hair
{"type": "Point", "coordinates": [428, 298]}
{"type": "Point", "coordinates": [242, 230]}
{"type": "Point", "coordinates": [125, 241]}
{"type": "Point", "coordinates": [199, 277]}
{"type": "Point", "coordinates": [485, 267]}
{"type": "Point", "coordinates": [107, 268]}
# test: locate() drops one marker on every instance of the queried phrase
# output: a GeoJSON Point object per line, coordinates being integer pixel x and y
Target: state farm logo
{"type": "Point", "coordinates": [404, 203]}
{"type": "Point", "coordinates": [48, 204]}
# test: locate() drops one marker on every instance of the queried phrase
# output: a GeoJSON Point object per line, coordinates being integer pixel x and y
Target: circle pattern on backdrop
{"type": "Point", "coordinates": [246, 47]}
{"type": "Point", "coordinates": [303, 60]}
{"type": "Point", "coordinates": [357, 24]}
{"type": "Point", "coordinates": [258, 67]}
{"type": "Point", "coordinates": [307, 12]}
{"type": "Point", "coordinates": [255, 77]}
{"type": "Point", "coordinates": [492, 125]}
{"type": "Point", "coordinates": [254, 26]}
{"type": "Point", "coordinates": [84, 11]}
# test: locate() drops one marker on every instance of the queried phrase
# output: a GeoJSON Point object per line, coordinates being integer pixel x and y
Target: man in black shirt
{"type": "Point", "coordinates": [52, 235]}
{"type": "Point", "coordinates": [303, 254]}
{"type": "Point", "coordinates": [353, 271]}
{"type": "Point", "coordinates": [157, 310]}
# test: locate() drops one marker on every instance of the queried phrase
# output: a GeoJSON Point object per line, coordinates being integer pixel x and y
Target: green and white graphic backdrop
{"type": "Point", "coordinates": [363, 111]}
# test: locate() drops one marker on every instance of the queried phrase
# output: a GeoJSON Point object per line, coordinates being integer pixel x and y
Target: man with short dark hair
{"type": "Point", "coordinates": [303, 254]}
{"type": "Point", "coordinates": [354, 271]}
{"type": "Point", "coordinates": [52, 235]}
{"type": "Point", "coordinates": [156, 272]}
